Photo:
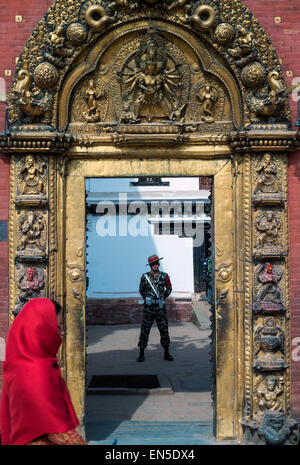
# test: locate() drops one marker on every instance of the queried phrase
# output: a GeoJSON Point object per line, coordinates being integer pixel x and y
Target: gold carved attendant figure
{"type": "Point", "coordinates": [32, 183]}
{"type": "Point", "coordinates": [267, 180]}
{"type": "Point", "coordinates": [92, 95]}
{"type": "Point", "coordinates": [208, 98]}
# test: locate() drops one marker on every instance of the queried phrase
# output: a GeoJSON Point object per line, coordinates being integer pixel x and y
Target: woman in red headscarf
{"type": "Point", "coordinates": [36, 407]}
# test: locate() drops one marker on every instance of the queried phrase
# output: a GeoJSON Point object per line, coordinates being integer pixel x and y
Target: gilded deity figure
{"type": "Point", "coordinates": [269, 394]}
{"type": "Point", "coordinates": [32, 171]}
{"type": "Point", "coordinates": [92, 95]}
{"type": "Point", "coordinates": [244, 52]}
{"type": "Point", "coordinates": [268, 225]}
{"type": "Point", "coordinates": [31, 227]}
{"type": "Point", "coordinates": [267, 179]}
{"type": "Point", "coordinates": [208, 98]}
{"type": "Point", "coordinates": [58, 41]}
{"type": "Point", "coordinates": [149, 83]}
{"type": "Point", "coordinates": [128, 116]}
{"type": "Point", "coordinates": [147, 79]}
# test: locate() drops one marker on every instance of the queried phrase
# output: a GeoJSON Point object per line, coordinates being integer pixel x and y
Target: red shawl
{"type": "Point", "coordinates": [35, 399]}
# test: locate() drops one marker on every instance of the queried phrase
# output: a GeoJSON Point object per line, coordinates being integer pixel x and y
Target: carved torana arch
{"type": "Point", "coordinates": [178, 88]}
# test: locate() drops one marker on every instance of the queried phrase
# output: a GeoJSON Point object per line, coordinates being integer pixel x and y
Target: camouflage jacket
{"type": "Point", "coordinates": [162, 284]}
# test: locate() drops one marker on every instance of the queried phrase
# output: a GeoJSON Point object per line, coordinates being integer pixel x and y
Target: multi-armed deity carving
{"type": "Point", "coordinates": [268, 243]}
{"type": "Point", "coordinates": [150, 81]}
{"type": "Point", "coordinates": [32, 179]}
{"type": "Point", "coordinates": [32, 235]}
{"type": "Point", "coordinates": [151, 77]}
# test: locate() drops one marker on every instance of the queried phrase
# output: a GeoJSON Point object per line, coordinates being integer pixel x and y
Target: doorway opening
{"type": "Point", "coordinates": [128, 220]}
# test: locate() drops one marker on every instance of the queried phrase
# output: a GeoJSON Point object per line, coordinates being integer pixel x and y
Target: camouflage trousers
{"type": "Point", "coordinates": [150, 314]}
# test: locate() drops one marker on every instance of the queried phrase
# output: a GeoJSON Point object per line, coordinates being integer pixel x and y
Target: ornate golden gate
{"type": "Point", "coordinates": [174, 88]}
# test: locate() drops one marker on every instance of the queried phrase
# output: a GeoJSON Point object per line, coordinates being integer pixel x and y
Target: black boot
{"type": "Point", "coordinates": [167, 355]}
{"type": "Point", "coordinates": [141, 357]}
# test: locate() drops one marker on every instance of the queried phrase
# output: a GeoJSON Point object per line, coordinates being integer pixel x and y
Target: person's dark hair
{"type": "Point", "coordinates": [57, 307]}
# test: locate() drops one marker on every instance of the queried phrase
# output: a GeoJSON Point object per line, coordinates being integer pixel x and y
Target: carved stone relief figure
{"type": "Point", "coordinates": [268, 297]}
{"type": "Point", "coordinates": [32, 229]}
{"type": "Point", "coordinates": [268, 340]}
{"type": "Point", "coordinates": [32, 176]}
{"type": "Point", "coordinates": [268, 394]}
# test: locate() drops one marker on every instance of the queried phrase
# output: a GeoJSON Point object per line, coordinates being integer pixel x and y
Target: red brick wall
{"type": "Point", "coordinates": [126, 311]}
{"type": "Point", "coordinates": [285, 35]}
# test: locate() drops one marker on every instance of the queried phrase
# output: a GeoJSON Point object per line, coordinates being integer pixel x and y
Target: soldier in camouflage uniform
{"type": "Point", "coordinates": [154, 306]}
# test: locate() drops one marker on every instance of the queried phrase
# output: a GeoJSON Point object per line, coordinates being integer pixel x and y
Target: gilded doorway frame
{"type": "Point", "coordinates": [75, 264]}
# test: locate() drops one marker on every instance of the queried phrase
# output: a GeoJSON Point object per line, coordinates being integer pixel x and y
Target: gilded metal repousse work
{"type": "Point", "coordinates": [148, 88]}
